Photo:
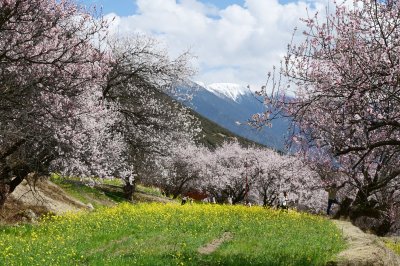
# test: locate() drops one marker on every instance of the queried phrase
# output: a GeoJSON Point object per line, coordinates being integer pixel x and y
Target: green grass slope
{"type": "Point", "coordinates": [171, 234]}
{"type": "Point", "coordinates": [105, 192]}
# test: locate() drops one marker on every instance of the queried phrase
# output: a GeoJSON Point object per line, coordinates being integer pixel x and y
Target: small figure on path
{"type": "Point", "coordinates": [184, 200]}
{"type": "Point", "coordinates": [230, 200]}
{"type": "Point", "coordinates": [332, 198]}
{"type": "Point", "coordinates": [283, 201]}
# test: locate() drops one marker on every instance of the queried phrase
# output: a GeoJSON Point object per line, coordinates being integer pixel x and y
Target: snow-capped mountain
{"type": "Point", "coordinates": [231, 105]}
{"type": "Point", "coordinates": [229, 90]}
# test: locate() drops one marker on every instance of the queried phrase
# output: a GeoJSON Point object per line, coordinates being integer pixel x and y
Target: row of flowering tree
{"type": "Point", "coordinates": [261, 176]}
{"type": "Point", "coordinates": [345, 109]}
{"type": "Point", "coordinates": [243, 174]}
{"type": "Point", "coordinates": [79, 102]}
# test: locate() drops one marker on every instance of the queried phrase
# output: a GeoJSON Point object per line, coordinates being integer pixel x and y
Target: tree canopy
{"type": "Point", "coordinates": [345, 109]}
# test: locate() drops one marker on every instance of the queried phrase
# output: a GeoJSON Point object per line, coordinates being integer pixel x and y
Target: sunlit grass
{"type": "Point", "coordinates": [96, 180]}
{"type": "Point", "coordinates": [81, 190]}
{"type": "Point", "coordinates": [170, 234]}
{"type": "Point", "coordinates": [395, 246]}
{"type": "Point", "coordinates": [149, 190]}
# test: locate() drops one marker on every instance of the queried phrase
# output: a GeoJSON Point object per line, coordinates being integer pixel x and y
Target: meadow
{"type": "Point", "coordinates": [171, 234]}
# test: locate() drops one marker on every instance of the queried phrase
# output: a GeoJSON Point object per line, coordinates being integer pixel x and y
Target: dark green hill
{"type": "Point", "coordinates": [213, 135]}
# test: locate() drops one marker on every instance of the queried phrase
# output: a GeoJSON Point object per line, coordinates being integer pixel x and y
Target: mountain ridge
{"type": "Point", "coordinates": [229, 90]}
{"type": "Point", "coordinates": [232, 110]}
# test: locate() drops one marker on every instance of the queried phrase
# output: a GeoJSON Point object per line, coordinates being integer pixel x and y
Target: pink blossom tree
{"type": "Point", "coordinates": [141, 78]}
{"type": "Point", "coordinates": [180, 171]}
{"type": "Point", "coordinates": [77, 103]}
{"type": "Point", "coordinates": [230, 171]}
{"type": "Point", "coordinates": [259, 175]}
{"type": "Point", "coordinates": [91, 147]}
{"type": "Point", "coordinates": [345, 111]}
{"type": "Point", "coordinates": [272, 179]}
{"type": "Point", "coordinates": [48, 64]}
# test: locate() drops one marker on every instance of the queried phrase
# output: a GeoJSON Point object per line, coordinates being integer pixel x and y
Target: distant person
{"type": "Point", "coordinates": [332, 196]}
{"type": "Point", "coordinates": [276, 202]}
{"type": "Point", "coordinates": [283, 201]}
{"type": "Point", "coordinates": [184, 200]}
{"type": "Point", "coordinates": [230, 201]}
{"type": "Point", "coordinates": [213, 201]}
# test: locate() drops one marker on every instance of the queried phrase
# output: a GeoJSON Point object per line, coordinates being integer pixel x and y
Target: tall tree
{"type": "Point", "coordinates": [258, 175]}
{"type": "Point", "coordinates": [141, 77]}
{"type": "Point", "coordinates": [180, 171]}
{"type": "Point", "coordinates": [48, 66]}
{"type": "Point", "coordinates": [346, 107]}
{"type": "Point", "coordinates": [230, 171]}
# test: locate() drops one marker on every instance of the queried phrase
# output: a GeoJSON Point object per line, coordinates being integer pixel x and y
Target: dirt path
{"type": "Point", "coordinates": [211, 247]}
{"type": "Point", "coordinates": [364, 249]}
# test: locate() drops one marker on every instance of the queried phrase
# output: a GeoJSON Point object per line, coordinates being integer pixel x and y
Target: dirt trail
{"type": "Point", "coordinates": [211, 247]}
{"type": "Point", "coordinates": [364, 249]}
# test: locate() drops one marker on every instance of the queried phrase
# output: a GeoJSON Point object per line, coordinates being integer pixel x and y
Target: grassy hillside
{"type": "Point", "coordinates": [166, 233]}
{"type": "Point", "coordinates": [105, 192]}
{"type": "Point", "coordinates": [171, 234]}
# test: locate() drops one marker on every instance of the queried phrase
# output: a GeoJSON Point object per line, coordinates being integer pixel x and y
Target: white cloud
{"type": "Point", "coordinates": [238, 44]}
{"type": "Point", "coordinates": [200, 7]}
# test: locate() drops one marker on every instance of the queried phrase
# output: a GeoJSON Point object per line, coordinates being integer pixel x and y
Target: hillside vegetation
{"type": "Point", "coordinates": [213, 135]}
{"type": "Point", "coordinates": [171, 234]}
{"type": "Point", "coordinates": [166, 233]}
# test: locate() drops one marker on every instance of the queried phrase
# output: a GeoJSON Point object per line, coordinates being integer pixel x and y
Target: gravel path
{"type": "Point", "coordinates": [363, 249]}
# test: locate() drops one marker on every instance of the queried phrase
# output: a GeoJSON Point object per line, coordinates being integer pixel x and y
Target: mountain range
{"type": "Point", "coordinates": [231, 106]}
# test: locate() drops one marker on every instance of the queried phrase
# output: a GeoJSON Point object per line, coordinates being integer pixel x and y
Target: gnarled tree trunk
{"type": "Point", "coordinates": [10, 178]}
{"type": "Point", "coordinates": [4, 192]}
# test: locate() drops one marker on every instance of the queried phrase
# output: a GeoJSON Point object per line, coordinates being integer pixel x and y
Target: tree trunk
{"type": "Point", "coordinates": [365, 214]}
{"type": "Point", "coordinates": [20, 172]}
{"type": "Point", "coordinates": [8, 185]}
{"type": "Point", "coordinates": [129, 189]}
{"type": "Point", "coordinates": [239, 196]}
{"type": "Point", "coordinates": [264, 196]}
{"type": "Point", "coordinates": [361, 198]}
{"type": "Point", "coordinates": [4, 193]}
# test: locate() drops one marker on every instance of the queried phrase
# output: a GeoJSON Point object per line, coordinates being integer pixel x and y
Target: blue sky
{"type": "Point", "coordinates": [235, 41]}
{"type": "Point", "coordinates": [128, 7]}
{"type": "Point", "coordinates": [120, 7]}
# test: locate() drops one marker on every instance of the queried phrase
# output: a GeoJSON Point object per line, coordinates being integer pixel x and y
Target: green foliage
{"type": "Point", "coordinates": [213, 135]}
{"type": "Point", "coordinates": [55, 177]}
{"type": "Point", "coordinates": [170, 234]}
{"type": "Point", "coordinates": [394, 245]}
{"type": "Point", "coordinates": [104, 191]}
{"type": "Point", "coordinates": [154, 191]}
